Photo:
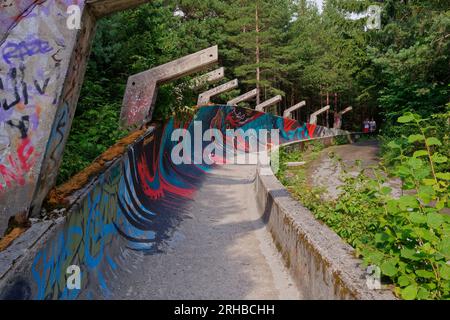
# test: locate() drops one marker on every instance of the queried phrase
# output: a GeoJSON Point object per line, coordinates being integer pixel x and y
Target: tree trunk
{"type": "Point", "coordinates": [258, 70]}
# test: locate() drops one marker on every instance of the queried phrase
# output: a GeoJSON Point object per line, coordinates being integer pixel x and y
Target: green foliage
{"type": "Point", "coordinates": [92, 134]}
{"type": "Point", "coordinates": [407, 237]}
{"type": "Point", "coordinates": [304, 54]}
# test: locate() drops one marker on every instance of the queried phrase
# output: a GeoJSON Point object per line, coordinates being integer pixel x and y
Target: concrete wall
{"type": "Point", "coordinates": [42, 66]}
{"type": "Point", "coordinates": [128, 208]}
{"type": "Point", "coordinates": [322, 264]}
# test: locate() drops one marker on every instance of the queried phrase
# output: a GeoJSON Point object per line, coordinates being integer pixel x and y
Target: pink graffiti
{"type": "Point", "coordinates": [16, 170]}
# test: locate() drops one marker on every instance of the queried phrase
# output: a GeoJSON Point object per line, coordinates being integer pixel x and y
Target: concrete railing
{"type": "Point", "coordinates": [321, 263]}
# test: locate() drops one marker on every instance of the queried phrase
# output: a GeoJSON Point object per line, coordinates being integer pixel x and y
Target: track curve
{"type": "Point", "coordinates": [148, 228]}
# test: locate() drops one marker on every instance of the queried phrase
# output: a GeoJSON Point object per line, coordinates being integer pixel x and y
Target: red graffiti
{"type": "Point", "coordinates": [16, 170]}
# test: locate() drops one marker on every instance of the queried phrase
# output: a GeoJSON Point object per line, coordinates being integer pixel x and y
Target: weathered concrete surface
{"type": "Point", "coordinates": [39, 92]}
{"type": "Point", "coordinates": [21, 247]}
{"type": "Point", "coordinates": [205, 97]}
{"type": "Point", "coordinates": [101, 8]}
{"type": "Point", "coordinates": [313, 118]}
{"type": "Point", "coordinates": [338, 117]}
{"type": "Point", "coordinates": [221, 250]}
{"type": "Point", "coordinates": [268, 103]}
{"type": "Point", "coordinates": [244, 97]}
{"type": "Point", "coordinates": [144, 212]}
{"type": "Point", "coordinates": [208, 78]}
{"type": "Point", "coordinates": [141, 91]}
{"type": "Point", "coordinates": [288, 112]}
{"type": "Point", "coordinates": [320, 262]}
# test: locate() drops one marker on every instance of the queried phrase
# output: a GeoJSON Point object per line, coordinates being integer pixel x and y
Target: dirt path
{"type": "Point", "coordinates": [326, 171]}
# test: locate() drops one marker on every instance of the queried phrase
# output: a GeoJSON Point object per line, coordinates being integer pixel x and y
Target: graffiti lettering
{"type": "Point", "coordinates": [6, 3]}
{"type": "Point", "coordinates": [21, 88]}
{"type": "Point", "coordinates": [25, 49]}
{"type": "Point", "coordinates": [22, 125]}
{"type": "Point", "coordinates": [42, 89]}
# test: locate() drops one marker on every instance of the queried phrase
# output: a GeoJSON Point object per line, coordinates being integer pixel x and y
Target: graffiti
{"type": "Point", "coordinates": [24, 49]}
{"type": "Point", "coordinates": [20, 88]}
{"type": "Point", "coordinates": [13, 12]}
{"type": "Point", "coordinates": [21, 125]}
{"type": "Point", "coordinates": [6, 3]}
{"type": "Point", "coordinates": [28, 87]}
{"type": "Point", "coordinates": [15, 169]}
{"type": "Point", "coordinates": [138, 201]}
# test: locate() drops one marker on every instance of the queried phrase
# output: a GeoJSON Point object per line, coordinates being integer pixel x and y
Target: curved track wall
{"type": "Point", "coordinates": [131, 206]}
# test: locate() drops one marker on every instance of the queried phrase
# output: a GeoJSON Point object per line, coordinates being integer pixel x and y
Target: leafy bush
{"type": "Point", "coordinates": [407, 237]}
{"type": "Point", "coordinates": [93, 132]}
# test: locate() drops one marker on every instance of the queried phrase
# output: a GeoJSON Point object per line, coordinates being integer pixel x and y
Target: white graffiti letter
{"type": "Point", "coordinates": [74, 280]}
{"type": "Point", "coordinates": [374, 19]}
{"type": "Point", "coordinates": [74, 19]}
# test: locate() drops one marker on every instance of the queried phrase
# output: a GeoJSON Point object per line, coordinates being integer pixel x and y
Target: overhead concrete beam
{"type": "Point", "coordinates": [269, 103]}
{"type": "Point", "coordinates": [141, 91]}
{"type": "Point", "coordinates": [53, 73]}
{"type": "Point", "coordinates": [102, 8]}
{"type": "Point", "coordinates": [313, 118]}
{"type": "Point", "coordinates": [245, 97]}
{"type": "Point", "coordinates": [205, 97]}
{"type": "Point", "coordinates": [338, 117]}
{"type": "Point", "coordinates": [346, 110]}
{"type": "Point", "coordinates": [208, 78]}
{"type": "Point", "coordinates": [288, 112]}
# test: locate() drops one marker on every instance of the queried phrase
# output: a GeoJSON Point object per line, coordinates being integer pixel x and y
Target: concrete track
{"type": "Point", "coordinates": [220, 253]}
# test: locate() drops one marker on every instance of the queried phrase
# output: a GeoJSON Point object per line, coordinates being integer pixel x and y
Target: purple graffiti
{"type": "Point", "coordinates": [25, 49]}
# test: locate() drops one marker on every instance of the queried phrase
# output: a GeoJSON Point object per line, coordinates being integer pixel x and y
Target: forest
{"type": "Point", "coordinates": [286, 47]}
{"type": "Point", "coordinates": [388, 210]}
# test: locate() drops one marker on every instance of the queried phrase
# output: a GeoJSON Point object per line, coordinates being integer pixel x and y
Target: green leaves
{"type": "Point", "coordinates": [439, 158]}
{"type": "Point", "coordinates": [444, 271]}
{"type": "Point", "coordinates": [406, 118]}
{"type": "Point", "coordinates": [443, 175]}
{"type": "Point", "coordinates": [434, 142]}
{"type": "Point", "coordinates": [410, 292]}
{"type": "Point", "coordinates": [420, 153]}
{"type": "Point", "coordinates": [434, 220]}
{"type": "Point", "coordinates": [388, 268]}
{"type": "Point", "coordinates": [425, 274]}
{"type": "Point", "coordinates": [415, 137]}
{"type": "Point", "coordinates": [409, 239]}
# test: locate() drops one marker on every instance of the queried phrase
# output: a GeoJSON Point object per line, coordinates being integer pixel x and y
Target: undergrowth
{"type": "Point", "coordinates": [407, 237]}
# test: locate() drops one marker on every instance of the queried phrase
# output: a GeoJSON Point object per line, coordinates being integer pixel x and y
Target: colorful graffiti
{"type": "Point", "coordinates": [137, 201]}
{"type": "Point", "coordinates": [34, 52]}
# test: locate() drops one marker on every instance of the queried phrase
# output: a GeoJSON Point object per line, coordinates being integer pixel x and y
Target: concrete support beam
{"type": "Point", "coordinates": [346, 110]}
{"type": "Point", "coordinates": [205, 97]}
{"type": "Point", "coordinates": [269, 103]}
{"type": "Point", "coordinates": [102, 8]}
{"type": "Point", "coordinates": [141, 91]}
{"type": "Point", "coordinates": [208, 78]}
{"type": "Point", "coordinates": [242, 98]}
{"type": "Point", "coordinates": [288, 112]}
{"type": "Point", "coordinates": [313, 118]}
{"type": "Point", "coordinates": [338, 117]}
{"type": "Point", "coordinates": [41, 74]}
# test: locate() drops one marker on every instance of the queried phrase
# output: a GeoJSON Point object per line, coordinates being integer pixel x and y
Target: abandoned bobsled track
{"type": "Point", "coordinates": [146, 228]}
